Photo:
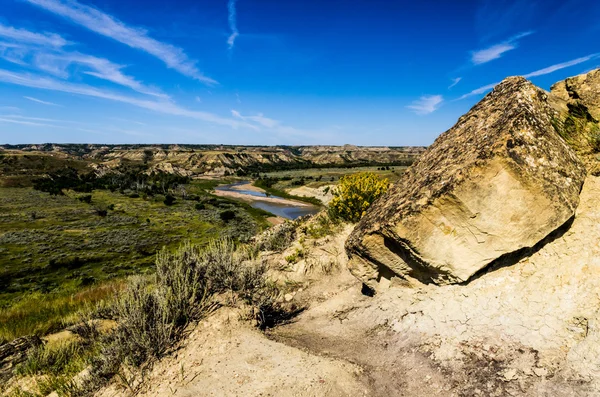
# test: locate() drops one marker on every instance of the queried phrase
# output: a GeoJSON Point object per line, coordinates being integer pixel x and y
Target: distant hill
{"type": "Point", "coordinates": [195, 160]}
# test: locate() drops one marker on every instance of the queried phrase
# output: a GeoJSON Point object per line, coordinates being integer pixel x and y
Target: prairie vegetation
{"type": "Point", "coordinates": [354, 195]}
{"type": "Point", "coordinates": [318, 177]}
{"type": "Point", "coordinates": [58, 252]}
{"type": "Point", "coordinates": [152, 314]}
{"type": "Point", "coordinates": [579, 129]}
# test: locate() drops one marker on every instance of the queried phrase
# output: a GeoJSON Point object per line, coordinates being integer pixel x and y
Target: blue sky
{"type": "Point", "coordinates": [365, 72]}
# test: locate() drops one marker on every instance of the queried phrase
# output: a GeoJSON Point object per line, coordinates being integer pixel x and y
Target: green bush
{"type": "Point", "coordinates": [169, 200]}
{"type": "Point", "coordinates": [86, 198]}
{"type": "Point", "coordinates": [227, 215]}
{"type": "Point", "coordinates": [354, 195]}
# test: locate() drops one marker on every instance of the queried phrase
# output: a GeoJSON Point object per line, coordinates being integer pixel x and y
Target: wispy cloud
{"type": "Point", "coordinates": [540, 72]}
{"type": "Point", "coordinates": [165, 107]}
{"type": "Point", "coordinates": [426, 104]}
{"type": "Point", "coordinates": [276, 127]}
{"type": "Point", "coordinates": [107, 25]}
{"type": "Point", "coordinates": [558, 66]}
{"type": "Point", "coordinates": [24, 122]}
{"type": "Point", "coordinates": [455, 82]}
{"type": "Point", "coordinates": [495, 51]}
{"type": "Point", "coordinates": [57, 62]}
{"type": "Point", "coordinates": [259, 119]}
{"type": "Point", "coordinates": [10, 108]}
{"type": "Point", "coordinates": [22, 35]}
{"type": "Point", "coordinates": [40, 101]}
{"type": "Point", "coordinates": [29, 118]}
{"type": "Point", "coordinates": [232, 23]}
{"type": "Point", "coordinates": [100, 68]}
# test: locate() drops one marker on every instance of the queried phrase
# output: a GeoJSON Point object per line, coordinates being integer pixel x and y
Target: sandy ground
{"type": "Point", "coordinates": [251, 199]}
{"type": "Point", "coordinates": [319, 192]}
{"type": "Point", "coordinates": [527, 329]}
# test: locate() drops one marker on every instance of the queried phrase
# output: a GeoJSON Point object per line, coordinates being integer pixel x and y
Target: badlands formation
{"type": "Point", "coordinates": [477, 275]}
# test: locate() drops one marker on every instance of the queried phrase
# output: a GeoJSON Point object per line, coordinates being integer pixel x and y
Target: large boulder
{"type": "Point", "coordinates": [582, 91]}
{"type": "Point", "coordinates": [499, 181]}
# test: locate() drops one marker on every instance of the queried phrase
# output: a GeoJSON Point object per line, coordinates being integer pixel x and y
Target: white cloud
{"type": "Point", "coordinates": [40, 101]}
{"type": "Point", "coordinates": [34, 81]}
{"type": "Point", "coordinates": [107, 25]}
{"type": "Point", "coordinates": [258, 119]}
{"type": "Point", "coordinates": [100, 68]}
{"type": "Point", "coordinates": [455, 82]}
{"type": "Point", "coordinates": [23, 122]}
{"type": "Point", "coordinates": [495, 51]}
{"type": "Point", "coordinates": [558, 66]}
{"type": "Point", "coordinates": [540, 72]}
{"type": "Point", "coordinates": [232, 18]}
{"type": "Point", "coordinates": [426, 104]}
{"type": "Point", "coordinates": [57, 62]}
{"type": "Point", "coordinates": [276, 127]}
{"type": "Point", "coordinates": [22, 35]}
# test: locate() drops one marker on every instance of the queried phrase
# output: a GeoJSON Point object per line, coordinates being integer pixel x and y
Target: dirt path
{"type": "Point", "coordinates": [226, 357]}
{"type": "Point", "coordinates": [530, 329]}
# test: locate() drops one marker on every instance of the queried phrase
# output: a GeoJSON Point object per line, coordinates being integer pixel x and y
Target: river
{"type": "Point", "coordinates": [279, 206]}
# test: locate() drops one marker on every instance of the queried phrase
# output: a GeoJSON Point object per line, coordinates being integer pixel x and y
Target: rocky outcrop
{"type": "Point", "coordinates": [499, 181]}
{"type": "Point", "coordinates": [13, 353]}
{"type": "Point", "coordinates": [582, 90]}
{"type": "Point", "coordinates": [218, 160]}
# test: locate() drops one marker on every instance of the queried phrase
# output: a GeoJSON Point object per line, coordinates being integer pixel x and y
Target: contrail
{"type": "Point", "coordinates": [232, 23]}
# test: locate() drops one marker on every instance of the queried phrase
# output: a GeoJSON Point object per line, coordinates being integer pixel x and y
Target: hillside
{"type": "Point", "coordinates": [197, 160]}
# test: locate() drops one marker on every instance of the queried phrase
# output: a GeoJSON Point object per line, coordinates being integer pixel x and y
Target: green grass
{"type": "Point", "coordinates": [55, 248]}
{"type": "Point", "coordinates": [283, 194]}
{"type": "Point", "coordinates": [330, 175]}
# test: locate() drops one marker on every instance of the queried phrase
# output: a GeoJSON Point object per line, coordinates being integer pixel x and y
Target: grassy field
{"type": "Point", "coordinates": [317, 177]}
{"type": "Point", "coordinates": [58, 253]}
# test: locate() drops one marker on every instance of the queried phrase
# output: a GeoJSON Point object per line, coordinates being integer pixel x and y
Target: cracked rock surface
{"type": "Point", "coordinates": [581, 90]}
{"type": "Point", "coordinates": [499, 181]}
{"type": "Point", "coordinates": [531, 329]}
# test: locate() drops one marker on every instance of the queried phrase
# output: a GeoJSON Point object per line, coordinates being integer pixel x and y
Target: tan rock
{"type": "Point", "coordinates": [499, 181]}
{"type": "Point", "coordinates": [583, 90]}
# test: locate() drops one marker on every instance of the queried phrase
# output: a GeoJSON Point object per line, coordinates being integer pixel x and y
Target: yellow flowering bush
{"type": "Point", "coordinates": [355, 193]}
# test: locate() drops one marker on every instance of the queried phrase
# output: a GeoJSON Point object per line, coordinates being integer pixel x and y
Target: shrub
{"type": "Point", "coordinates": [296, 256]}
{"type": "Point", "coordinates": [322, 225]}
{"type": "Point", "coordinates": [153, 313]}
{"type": "Point", "coordinates": [86, 198]}
{"type": "Point", "coordinates": [277, 238]}
{"type": "Point", "coordinates": [200, 206]}
{"type": "Point", "coordinates": [354, 195]}
{"type": "Point", "coordinates": [227, 215]}
{"type": "Point", "coordinates": [169, 199]}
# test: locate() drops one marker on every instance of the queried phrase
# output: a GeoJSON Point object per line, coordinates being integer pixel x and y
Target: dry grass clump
{"type": "Point", "coordinates": [153, 314]}
{"type": "Point", "coordinates": [42, 313]}
{"type": "Point", "coordinates": [579, 129]}
{"type": "Point", "coordinates": [278, 238]}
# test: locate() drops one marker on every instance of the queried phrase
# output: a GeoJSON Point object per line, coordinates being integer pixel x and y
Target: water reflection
{"type": "Point", "coordinates": [288, 211]}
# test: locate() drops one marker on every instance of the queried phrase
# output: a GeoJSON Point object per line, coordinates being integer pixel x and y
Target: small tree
{"type": "Point", "coordinates": [354, 195]}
